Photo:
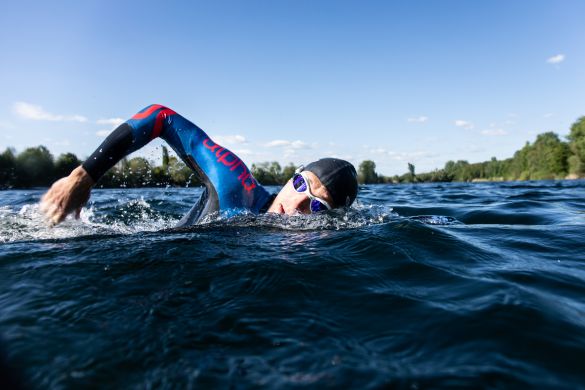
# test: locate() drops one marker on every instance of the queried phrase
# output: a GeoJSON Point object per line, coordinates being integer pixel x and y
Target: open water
{"type": "Point", "coordinates": [417, 286]}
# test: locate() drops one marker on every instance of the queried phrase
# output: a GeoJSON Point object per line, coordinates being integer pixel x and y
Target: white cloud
{"type": "Point", "coordinates": [277, 143]}
{"type": "Point", "coordinates": [556, 59]}
{"type": "Point", "coordinates": [494, 132]}
{"type": "Point", "coordinates": [418, 119]}
{"type": "Point", "coordinates": [548, 115]}
{"type": "Point", "coordinates": [465, 124]}
{"type": "Point", "coordinates": [38, 113]}
{"type": "Point", "coordinates": [114, 122]}
{"type": "Point", "coordinates": [299, 145]}
{"type": "Point", "coordinates": [411, 156]}
{"type": "Point", "coordinates": [243, 152]}
{"type": "Point", "coordinates": [103, 133]}
{"type": "Point", "coordinates": [289, 144]}
{"type": "Point", "coordinates": [235, 139]}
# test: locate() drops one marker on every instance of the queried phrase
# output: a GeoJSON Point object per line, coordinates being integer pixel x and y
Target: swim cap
{"type": "Point", "coordinates": [339, 177]}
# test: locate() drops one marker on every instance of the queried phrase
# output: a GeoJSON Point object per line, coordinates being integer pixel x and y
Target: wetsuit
{"type": "Point", "coordinates": [229, 185]}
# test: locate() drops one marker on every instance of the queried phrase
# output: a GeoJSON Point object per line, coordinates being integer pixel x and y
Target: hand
{"type": "Point", "coordinates": [67, 195]}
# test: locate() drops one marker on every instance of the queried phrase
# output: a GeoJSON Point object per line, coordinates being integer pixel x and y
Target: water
{"type": "Point", "coordinates": [433, 285]}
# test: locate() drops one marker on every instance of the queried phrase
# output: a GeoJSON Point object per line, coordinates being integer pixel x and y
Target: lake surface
{"type": "Point", "coordinates": [417, 286]}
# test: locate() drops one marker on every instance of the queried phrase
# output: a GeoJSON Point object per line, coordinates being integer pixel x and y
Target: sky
{"type": "Point", "coordinates": [292, 81]}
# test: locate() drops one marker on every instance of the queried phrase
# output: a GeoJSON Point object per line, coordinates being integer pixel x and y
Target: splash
{"type": "Point", "coordinates": [128, 216]}
{"type": "Point", "coordinates": [359, 215]}
{"type": "Point", "coordinates": [28, 223]}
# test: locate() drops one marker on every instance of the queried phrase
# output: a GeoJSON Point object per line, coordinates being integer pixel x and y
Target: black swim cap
{"type": "Point", "coordinates": [339, 177]}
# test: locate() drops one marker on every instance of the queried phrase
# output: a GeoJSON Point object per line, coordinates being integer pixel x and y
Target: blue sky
{"type": "Point", "coordinates": [395, 82]}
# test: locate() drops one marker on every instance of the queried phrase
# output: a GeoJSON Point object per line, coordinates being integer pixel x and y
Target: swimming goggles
{"type": "Point", "coordinates": [301, 185]}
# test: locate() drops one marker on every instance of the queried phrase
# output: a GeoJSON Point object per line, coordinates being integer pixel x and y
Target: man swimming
{"type": "Point", "coordinates": [229, 185]}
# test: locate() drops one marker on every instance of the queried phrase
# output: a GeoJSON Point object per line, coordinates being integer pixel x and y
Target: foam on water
{"type": "Point", "coordinates": [358, 215]}
{"type": "Point", "coordinates": [28, 223]}
{"type": "Point", "coordinates": [137, 215]}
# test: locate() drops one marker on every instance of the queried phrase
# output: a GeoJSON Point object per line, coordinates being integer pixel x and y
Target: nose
{"type": "Point", "coordinates": [301, 204]}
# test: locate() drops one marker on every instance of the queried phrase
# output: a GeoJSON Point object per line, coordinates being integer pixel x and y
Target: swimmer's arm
{"type": "Point", "coordinates": [71, 193]}
{"type": "Point", "coordinates": [150, 123]}
{"type": "Point", "coordinates": [68, 194]}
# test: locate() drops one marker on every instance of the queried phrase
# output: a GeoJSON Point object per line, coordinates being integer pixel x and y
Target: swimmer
{"type": "Point", "coordinates": [229, 185]}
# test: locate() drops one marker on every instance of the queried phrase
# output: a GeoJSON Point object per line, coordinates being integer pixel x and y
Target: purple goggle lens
{"type": "Point", "coordinates": [302, 186]}
{"type": "Point", "coordinates": [299, 183]}
{"type": "Point", "coordinates": [317, 206]}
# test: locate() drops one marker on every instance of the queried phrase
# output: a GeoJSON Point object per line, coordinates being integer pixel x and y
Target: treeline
{"type": "Point", "coordinates": [36, 167]}
{"type": "Point", "coordinates": [33, 167]}
{"type": "Point", "coordinates": [271, 173]}
{"type": "Point", "coordinates": [548, 157]}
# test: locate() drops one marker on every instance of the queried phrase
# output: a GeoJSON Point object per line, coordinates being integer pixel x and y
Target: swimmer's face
{"type": "Point", "coordinates": [289, 201]}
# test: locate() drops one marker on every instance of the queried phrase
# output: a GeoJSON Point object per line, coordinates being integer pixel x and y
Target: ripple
{"type": "Point", "coordinates": [416, 286]}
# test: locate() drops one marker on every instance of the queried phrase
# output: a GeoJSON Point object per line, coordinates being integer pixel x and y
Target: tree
{"type": "Point", "coordinates": [165, 159]}
{"type": "Point", "coordinates": [367, 172]}
{"type": "Point", "coordinates": [268, 173]}
{"type": "Point", "coordinates": [65, 163]}
{"type": "Point", "coordinates": [181, 174]}
{"type": "Point", "coordinates": [576, 166]}
{"type": "Point", "coordinates": [411, 171]}
{"type": "Point", "coordinates": [547, 158]}
{"type": "Point", "coordinates": [34, 167]}
{"type": "Point", "coordinates": [577, 146]}
{"type": "Point", "coordinates": [7, 168]}
{"type": "Point", "coordinates": [288, 172]}
{"type": "Point", "coordinates": [139, 172]}
{"type": "Point", "coordinates": [275, 171]}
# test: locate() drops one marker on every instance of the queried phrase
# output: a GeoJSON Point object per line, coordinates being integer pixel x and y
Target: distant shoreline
{"type": "Point", "coordinates": [547, 158]}
{"type": "Point", "coordinates": [474, 181]}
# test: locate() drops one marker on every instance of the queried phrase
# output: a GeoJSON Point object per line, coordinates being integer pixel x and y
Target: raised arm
{"type": "Point", "coordinates": [228, 180]}
{"type": "Point", "coordinates": [130, 136]}
{"type": "Point", "coordinates": [71, 193]}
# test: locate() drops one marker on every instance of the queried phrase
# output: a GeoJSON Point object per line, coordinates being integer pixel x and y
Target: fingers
{"type": "Point", "coordinates": [52, 207]}
{"type": "Point", "coordinates": [58, 218]}
{"type": "Point", "coordinates": [65, 196]}
{"type": "Point", "coordinates": [45, 203]}
{"type": "Point", "coordinates": [53, 213]}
